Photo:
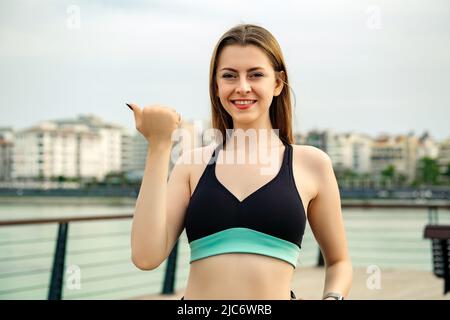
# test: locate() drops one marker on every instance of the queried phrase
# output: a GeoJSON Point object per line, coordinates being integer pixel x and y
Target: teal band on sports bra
{"type": "Point", "coordinates": [244, 240]}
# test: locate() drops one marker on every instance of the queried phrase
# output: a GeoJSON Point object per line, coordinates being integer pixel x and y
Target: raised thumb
{"type": "Point", "coordinates": [133, 107]}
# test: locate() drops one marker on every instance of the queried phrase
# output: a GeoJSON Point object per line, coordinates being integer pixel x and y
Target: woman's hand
{"type": "Point", "coordinates": [156, 123]}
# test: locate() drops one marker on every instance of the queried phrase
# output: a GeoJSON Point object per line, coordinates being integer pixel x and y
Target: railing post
{"type": "Point", "coordinates": [445, 254]}
{"type": "Point", "coordinates": [169, 276]}
{"type": "Point", "coordinates": [56, 281]}
{"type": "Point", "coordinates": [433, 215]}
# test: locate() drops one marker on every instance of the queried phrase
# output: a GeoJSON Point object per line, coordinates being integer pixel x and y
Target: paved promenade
{"type": "Point", "coordinates": [395, 284]}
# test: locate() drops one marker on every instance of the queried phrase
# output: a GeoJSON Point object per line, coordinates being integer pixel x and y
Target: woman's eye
{"type": "Point", "coordinates": [228, 75]}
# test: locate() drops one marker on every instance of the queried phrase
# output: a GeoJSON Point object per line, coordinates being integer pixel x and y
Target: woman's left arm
{"type": "Point", "coordinates": [325, 219]}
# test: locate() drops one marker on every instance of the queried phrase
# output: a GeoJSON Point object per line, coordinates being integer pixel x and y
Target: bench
{"type": "Point", "coordinates": [440, 237]}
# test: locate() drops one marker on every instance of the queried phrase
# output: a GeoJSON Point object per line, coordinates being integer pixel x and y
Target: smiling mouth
{"type": "Point", "coordinates": [243, 105]}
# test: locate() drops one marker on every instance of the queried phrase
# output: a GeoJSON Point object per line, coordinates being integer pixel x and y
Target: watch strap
{"type": "Point", "coordinates": [334, 295]}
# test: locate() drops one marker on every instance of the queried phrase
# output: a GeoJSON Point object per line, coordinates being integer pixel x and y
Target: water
{"type": "Point", "coordinates": [388, 238]}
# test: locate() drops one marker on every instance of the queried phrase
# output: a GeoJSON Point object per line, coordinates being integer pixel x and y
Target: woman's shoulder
{"type": "Point", "coordinates": [197, 155]}
{"type": "Point", "coordinates": [312, 162]}
{"type": "Point", "coordinates": [205, 150]}
{"type": "Point", "coordinates": [310, 155]}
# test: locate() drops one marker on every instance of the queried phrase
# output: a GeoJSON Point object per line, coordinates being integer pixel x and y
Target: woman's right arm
{"type": "Point", "coordinates": [150, 235]}
{"type": "Point", "coordinates": [149, 232]}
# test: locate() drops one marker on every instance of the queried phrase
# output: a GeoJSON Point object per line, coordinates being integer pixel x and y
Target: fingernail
{"type": "Point", "coordinates": [129, 106]}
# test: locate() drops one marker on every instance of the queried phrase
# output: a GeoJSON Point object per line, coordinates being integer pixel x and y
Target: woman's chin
{"type": "Point", "coordinates": [244, 118]}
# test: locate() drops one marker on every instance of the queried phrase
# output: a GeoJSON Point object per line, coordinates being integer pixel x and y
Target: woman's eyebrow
{"type": "Point", "coordinates": [251, 69]}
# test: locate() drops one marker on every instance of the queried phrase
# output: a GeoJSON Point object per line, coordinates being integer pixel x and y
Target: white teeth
{"type": "Point", "coordinates": [244, 102]}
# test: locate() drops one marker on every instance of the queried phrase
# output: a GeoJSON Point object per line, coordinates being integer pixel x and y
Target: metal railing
{"type": "Point", "coordinates": [57, 271]}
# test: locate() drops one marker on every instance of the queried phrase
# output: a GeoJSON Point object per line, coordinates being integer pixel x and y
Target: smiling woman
{"type": "Point", "coordinates": [244, 228]}
{"type": "Point", "coordinates": [249, 73]}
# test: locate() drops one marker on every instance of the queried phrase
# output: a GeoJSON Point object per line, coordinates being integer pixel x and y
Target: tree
{"type": "Point", "coordinates": [41, 176]}
{"type": "Point", "coordinates": [116, 178]}
{"type": "Point", "coordinates": [402, 180]}
{"type": "Point", "coordinates": [388, 174]}
{"type": "Point", "coordinates": [446, 175]}
{"type": "Point", "coordinates": [428, 171]}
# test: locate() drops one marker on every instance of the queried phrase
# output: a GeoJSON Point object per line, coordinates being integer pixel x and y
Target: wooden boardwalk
{"type": "Point", "coordinates": [395, 284]}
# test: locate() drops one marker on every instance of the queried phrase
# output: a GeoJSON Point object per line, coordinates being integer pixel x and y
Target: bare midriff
{"type": "Point", "coordinates": [239, 276]}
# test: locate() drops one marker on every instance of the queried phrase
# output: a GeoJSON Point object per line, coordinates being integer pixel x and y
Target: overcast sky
{"type": "Point", "coordinates": [364, 66]}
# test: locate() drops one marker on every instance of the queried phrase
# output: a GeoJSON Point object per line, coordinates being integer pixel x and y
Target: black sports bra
{"type": "Point", "coordinates": [270, 221]}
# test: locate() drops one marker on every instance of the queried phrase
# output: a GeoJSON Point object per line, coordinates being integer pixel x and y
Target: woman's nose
{"type": "Point", "coordinates": [244, 87]}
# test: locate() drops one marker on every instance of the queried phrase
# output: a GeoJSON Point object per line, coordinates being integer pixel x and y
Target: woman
{"type": "Point", "coordinates": [244, 228]}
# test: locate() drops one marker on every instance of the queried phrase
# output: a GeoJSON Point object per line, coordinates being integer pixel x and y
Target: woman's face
{"type": "Point", "coordinates": [245, 73]}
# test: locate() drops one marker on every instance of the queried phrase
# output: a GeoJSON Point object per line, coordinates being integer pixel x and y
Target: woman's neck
{"type": "Point", "coordinates": [252, 138]}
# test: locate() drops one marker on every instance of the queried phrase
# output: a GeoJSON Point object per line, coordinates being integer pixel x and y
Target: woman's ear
{"type": "Point", "coordinates": [280, 80]}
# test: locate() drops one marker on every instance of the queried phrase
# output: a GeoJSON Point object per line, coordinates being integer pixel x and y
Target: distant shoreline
{"type": "Point", "coordinates": [124, 200]}
{"type": "Point", "coordinates": [67, 200]}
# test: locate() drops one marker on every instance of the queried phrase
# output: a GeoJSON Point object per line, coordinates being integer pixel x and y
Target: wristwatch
{"type": "Point", "coordinates": [334, 295]}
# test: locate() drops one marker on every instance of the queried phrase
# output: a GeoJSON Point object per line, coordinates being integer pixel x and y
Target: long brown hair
{"type": "Point", "coordinates": [280, 111]}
